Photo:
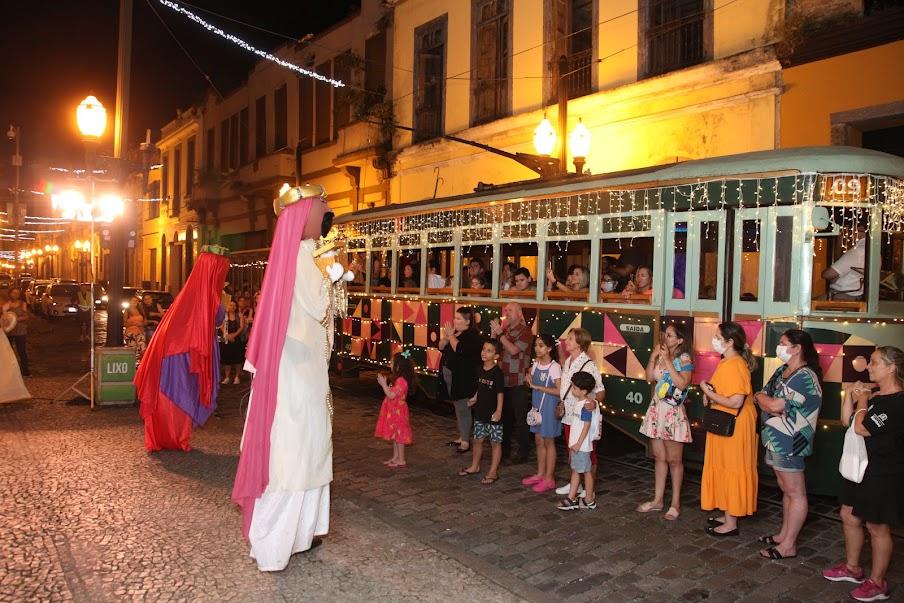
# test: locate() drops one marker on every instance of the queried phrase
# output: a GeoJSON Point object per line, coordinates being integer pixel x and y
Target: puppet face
{"type": "Point", "coordinates": [320, 220]}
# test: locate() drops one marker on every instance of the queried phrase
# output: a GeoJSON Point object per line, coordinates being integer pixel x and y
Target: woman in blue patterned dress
{"type": "Point", "coordinates": [789, 408]}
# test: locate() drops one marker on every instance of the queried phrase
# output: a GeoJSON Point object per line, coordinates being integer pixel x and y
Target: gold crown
{"type": "Point", "coordinates": [293, 194]}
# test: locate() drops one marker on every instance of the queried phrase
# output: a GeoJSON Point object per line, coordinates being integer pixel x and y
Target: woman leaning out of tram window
{"type": "Point", "coordinates": [729, 481]}
{"type": "Point", "coordinates": [789, 405]}
{"type": "Point", "coordinates": [878, 500]}
{"type": "Point", "coordinates": [670, 368]}
{"type": "Point", "coordinates": [641, 283]}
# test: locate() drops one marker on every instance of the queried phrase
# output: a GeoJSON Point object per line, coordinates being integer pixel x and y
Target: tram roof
{"type": "Point", "coordinates": [802, 160]}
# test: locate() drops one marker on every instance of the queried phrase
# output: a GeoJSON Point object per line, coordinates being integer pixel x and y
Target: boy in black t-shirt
{"type": "Point", "coordinates": [486, 406]}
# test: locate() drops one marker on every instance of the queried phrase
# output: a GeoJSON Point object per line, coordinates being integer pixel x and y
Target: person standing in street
{"type": "Point", "coordinates": [17, 336]}
{"type": "Point", "coordinates": [515, 337]}
{"type": "Point", "coordinates": [83, 303]}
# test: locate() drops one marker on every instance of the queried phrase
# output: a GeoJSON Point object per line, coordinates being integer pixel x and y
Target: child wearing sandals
{"type": "Point", "coordinates": [393, 423]}
{"type": "Point", "coordinates": [585, 424]}
{"type": "Point", "coordinates": [543, 379]}
{"type": "Point", "coordinates": [486, 406]}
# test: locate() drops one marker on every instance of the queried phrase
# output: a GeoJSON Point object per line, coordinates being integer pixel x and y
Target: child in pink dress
{"type": "Point", "coordinates": [393, 423]}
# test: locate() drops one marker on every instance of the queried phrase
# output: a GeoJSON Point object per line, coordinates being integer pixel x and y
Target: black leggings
{"type": "Point", "coordinates": [18, 342]}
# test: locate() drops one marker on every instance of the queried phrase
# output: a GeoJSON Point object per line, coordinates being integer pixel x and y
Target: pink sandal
{"type": "Point", "coordinates": [530, 480]}
{"type": "Point", "coordinates": [544, 485]}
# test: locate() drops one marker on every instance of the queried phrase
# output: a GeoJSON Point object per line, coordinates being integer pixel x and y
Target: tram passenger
{"type": "Point", "coordinates": [578, 279]}
{"type": "Point", "coordinates": [523, 280]}
{"type": "Point", "coordinates": [878, 500]}
{"type": "Point", "coordinates": [379, 276]}
{"type": "Point", "coordinates": [408, 279]}
{"type": "Point", "coordinates": [730, 477]}
{"type": "Point", "coordinates": [630, 259]}
{"type": "Point", "coordinates": [641, 282]}
{"type": "Point", "coordinates": [608, 281]}
{"type": "Point", "coordinates": [507, 276]}
{"type": "Point", "coordinates": [789, 405]}
{"type": "Point", "coordinates": [476, 268]}
{"type": "Point", "coordinates": [845, 276]}
{"type": "Point", "coordinates": [478, 282]}
{"type": "Point", "coordinates": [435, 280]}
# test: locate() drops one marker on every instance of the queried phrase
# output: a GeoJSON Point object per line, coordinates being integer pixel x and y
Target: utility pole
{"type": "Point", "coordinates": [120, 140]}
{"type": "Point", "coordinates": [14, 134]}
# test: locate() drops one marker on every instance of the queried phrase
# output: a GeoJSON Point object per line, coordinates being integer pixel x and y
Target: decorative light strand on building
{"type": "Point", "coordinates": [243, 44]}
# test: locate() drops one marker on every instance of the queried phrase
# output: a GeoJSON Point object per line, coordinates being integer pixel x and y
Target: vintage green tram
{"type": "Point", "coordinates": [744, 237]}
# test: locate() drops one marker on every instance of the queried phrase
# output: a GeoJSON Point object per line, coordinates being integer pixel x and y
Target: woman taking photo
{"type": "Point", "coordinates": [878, 500]}
{"type": "Point", "coordinates": [460, 344]}
{"type": "Point", "coordinates": [790, 404]}
{"type": "Point", "coordinates": [665, 423]}
{"type": "Point", "coordinates": [729, 464]}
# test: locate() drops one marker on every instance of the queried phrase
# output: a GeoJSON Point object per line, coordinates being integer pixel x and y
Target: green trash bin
{"type": "Point", "coordinates": [115, 375]}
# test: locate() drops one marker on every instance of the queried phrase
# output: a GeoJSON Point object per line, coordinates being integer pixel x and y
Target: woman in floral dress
{"type": "Point", "coordinates": [670, 368]}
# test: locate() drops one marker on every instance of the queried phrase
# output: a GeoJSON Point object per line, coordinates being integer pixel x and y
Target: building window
{"type": "Point", "coordinates": [280, 107]}
{"type": "Point", "coordinates": [154, 206]}
{"type": "Point", "coordinates": [234, 141]}
{"type": "Point", "coordinates": [224, 144]}
{"type": "Point", "coordinates": [570, 28]}
{"type": "Point", "coordinates": [429, 78]}
{"type": "Point", "coordinates": [260, 127]}
{"type": "Point", "coordinates": [211, 148]}
{"type": "Point", "coordinates": [176, 204]}
{"type": "Point", "coordinates": [243, 136]}
{"type": "Point", "coordinates": [674, 34]}
{"type": "Point", "coordinates": [490, 60]}
{"type": "Point", "coordinates": [306, 112]}
{"type": "Point", "coordinates": [323, 102]}
{"type": "Point", "coordinates": [375, 66]}
{"type": "Point", "coordinates": [164, 176]}
{"type": "Point", "coordinates": [342, 109]}
{"type": "Point", "coordinates": [190, 167]}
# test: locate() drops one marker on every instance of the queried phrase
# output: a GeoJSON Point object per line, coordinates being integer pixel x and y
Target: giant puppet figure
{"type": "Point", "coordinates": [179, 375]}
{"type": "Point", "coordinates": [286, 463]}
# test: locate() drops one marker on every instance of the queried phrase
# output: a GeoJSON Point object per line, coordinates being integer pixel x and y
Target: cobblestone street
{"type": "Point", "coordinates": [88, 515]}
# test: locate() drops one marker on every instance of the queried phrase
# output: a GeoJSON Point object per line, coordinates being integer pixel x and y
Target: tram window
{"type": "Point", "coordinates": [626, 270]}
{"type": "Point", "coordinates": [839, 279]}
{"type": "Point", "coordinates": [709, 260]}
{"type": "Point", "coordinates": [379, 270]}
{"type": "Point", "coordinates": [440, 261]}
{"type": "Point", "coordinates": [751, 231]}
{"type": "Point", "coordinates": [567, 272]}
{"type": "Point", "coordinates": [891, 283]}
{"type": "Point", "coordinates": [356, 261]}
{"type": "Point", "coordinates": [519, 269]}
{"type": "Point", "coordinates": [679, 269]}
{"type": "Point", "coordinates": [781, 273]}
{"type": "Point", "coordinates": [476, 270]}
{"type": "Point", "coordinates": [409, 271]}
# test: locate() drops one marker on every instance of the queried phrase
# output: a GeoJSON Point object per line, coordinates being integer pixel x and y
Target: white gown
{"type": "Point", "coordinates": [295, 506]}
{"type": "Point", "coordinates": [11, 386]}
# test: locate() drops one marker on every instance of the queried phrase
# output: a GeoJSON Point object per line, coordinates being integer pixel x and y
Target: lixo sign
{"type": "Point", "coordinates": [115, 373]}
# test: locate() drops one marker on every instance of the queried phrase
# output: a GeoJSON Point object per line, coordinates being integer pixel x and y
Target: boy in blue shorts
{"type": "Point", "coordinates": [487, 408]}
{"type": "Point", "coordinates": [585, 425]}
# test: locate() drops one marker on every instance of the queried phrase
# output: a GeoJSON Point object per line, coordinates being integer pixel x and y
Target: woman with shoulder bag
{"type": "Point", "coordinates": [461, 344]}
{"type": "Point", "coordinates": [729, 481]}
{"type": "Point", "coordinates": [878, 500]}
{"type": "Point", "coordinates": [789, 407]}
{"type": "Point", "coordinates": [670, 368]}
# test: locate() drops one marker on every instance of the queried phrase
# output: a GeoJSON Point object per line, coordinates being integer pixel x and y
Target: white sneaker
{"type": "Point", "coordinates": [567, 487]}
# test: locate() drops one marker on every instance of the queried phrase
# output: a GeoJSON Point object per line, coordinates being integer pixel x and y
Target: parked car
{"type": "Point", "coordinates": [34, 296]}
{"type": "Point", "coordinates": [60, 300]}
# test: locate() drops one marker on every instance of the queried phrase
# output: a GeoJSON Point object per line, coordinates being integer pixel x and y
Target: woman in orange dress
{"type": "Point", "coordinates": [729, 464]}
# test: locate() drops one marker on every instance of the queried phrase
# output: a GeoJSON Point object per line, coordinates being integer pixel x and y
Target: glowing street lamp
{"type": "Point", "coordinates": [545, 137]}
{"type": "Point", "coordinates": [579, 144]}
{"type": "Point", "coordinates": [92, 118]}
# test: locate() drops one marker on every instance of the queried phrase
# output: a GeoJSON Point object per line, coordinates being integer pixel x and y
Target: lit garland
{"type": "Point", "coordinates": [243, 44]}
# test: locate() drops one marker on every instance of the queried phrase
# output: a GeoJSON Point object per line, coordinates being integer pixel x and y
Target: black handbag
{"type": "Point", "coordinates": [719, 422]}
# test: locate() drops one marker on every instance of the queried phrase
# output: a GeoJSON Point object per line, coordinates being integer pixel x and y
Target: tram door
{"type": "Point", "coordinates": [694, 261]}
{"type": "Point", "coordinates": [766, 266]}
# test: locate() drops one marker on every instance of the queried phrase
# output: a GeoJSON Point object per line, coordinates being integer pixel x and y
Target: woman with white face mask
{"type": "Point", "coordinates": [729, 481]}
{"type": "Point", "coordinates": [789, 405]}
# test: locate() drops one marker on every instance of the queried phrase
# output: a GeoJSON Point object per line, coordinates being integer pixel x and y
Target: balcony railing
{"type": "Point", "coordinates": [577, 73]}
{"type": "Point", "coordinates": [675, 45]}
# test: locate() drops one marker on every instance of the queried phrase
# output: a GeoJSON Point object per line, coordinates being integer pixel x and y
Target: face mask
{"type": "Point", "coordinates": [608, 286]}
{"type": "Point", "coordinates": [718, 345]}
{"type": "Point", "coordinates": [783, 353]}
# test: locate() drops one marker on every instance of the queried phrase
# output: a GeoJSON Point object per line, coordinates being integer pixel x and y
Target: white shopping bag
{"type": "Point", "coordinates": [853, 456]}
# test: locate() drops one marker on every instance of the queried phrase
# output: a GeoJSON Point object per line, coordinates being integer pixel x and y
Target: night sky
{"type": "Point", "coordinates": [53, 53]}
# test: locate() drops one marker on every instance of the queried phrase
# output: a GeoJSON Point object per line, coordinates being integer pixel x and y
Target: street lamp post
{"type": "Point", "coordinates": [15, 134]}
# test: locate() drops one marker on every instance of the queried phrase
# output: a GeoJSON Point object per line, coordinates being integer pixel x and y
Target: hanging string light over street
{"type": "Point", "coordinates": [243, 44]}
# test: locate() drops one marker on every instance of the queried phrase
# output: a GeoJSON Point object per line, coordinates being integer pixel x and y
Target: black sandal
{"type": "Point", "coordinates": [465, 473]}
{"type": "Point", "coordinates": [767, 540]}
{"type": "Point", "coordinates": [773, 554]}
